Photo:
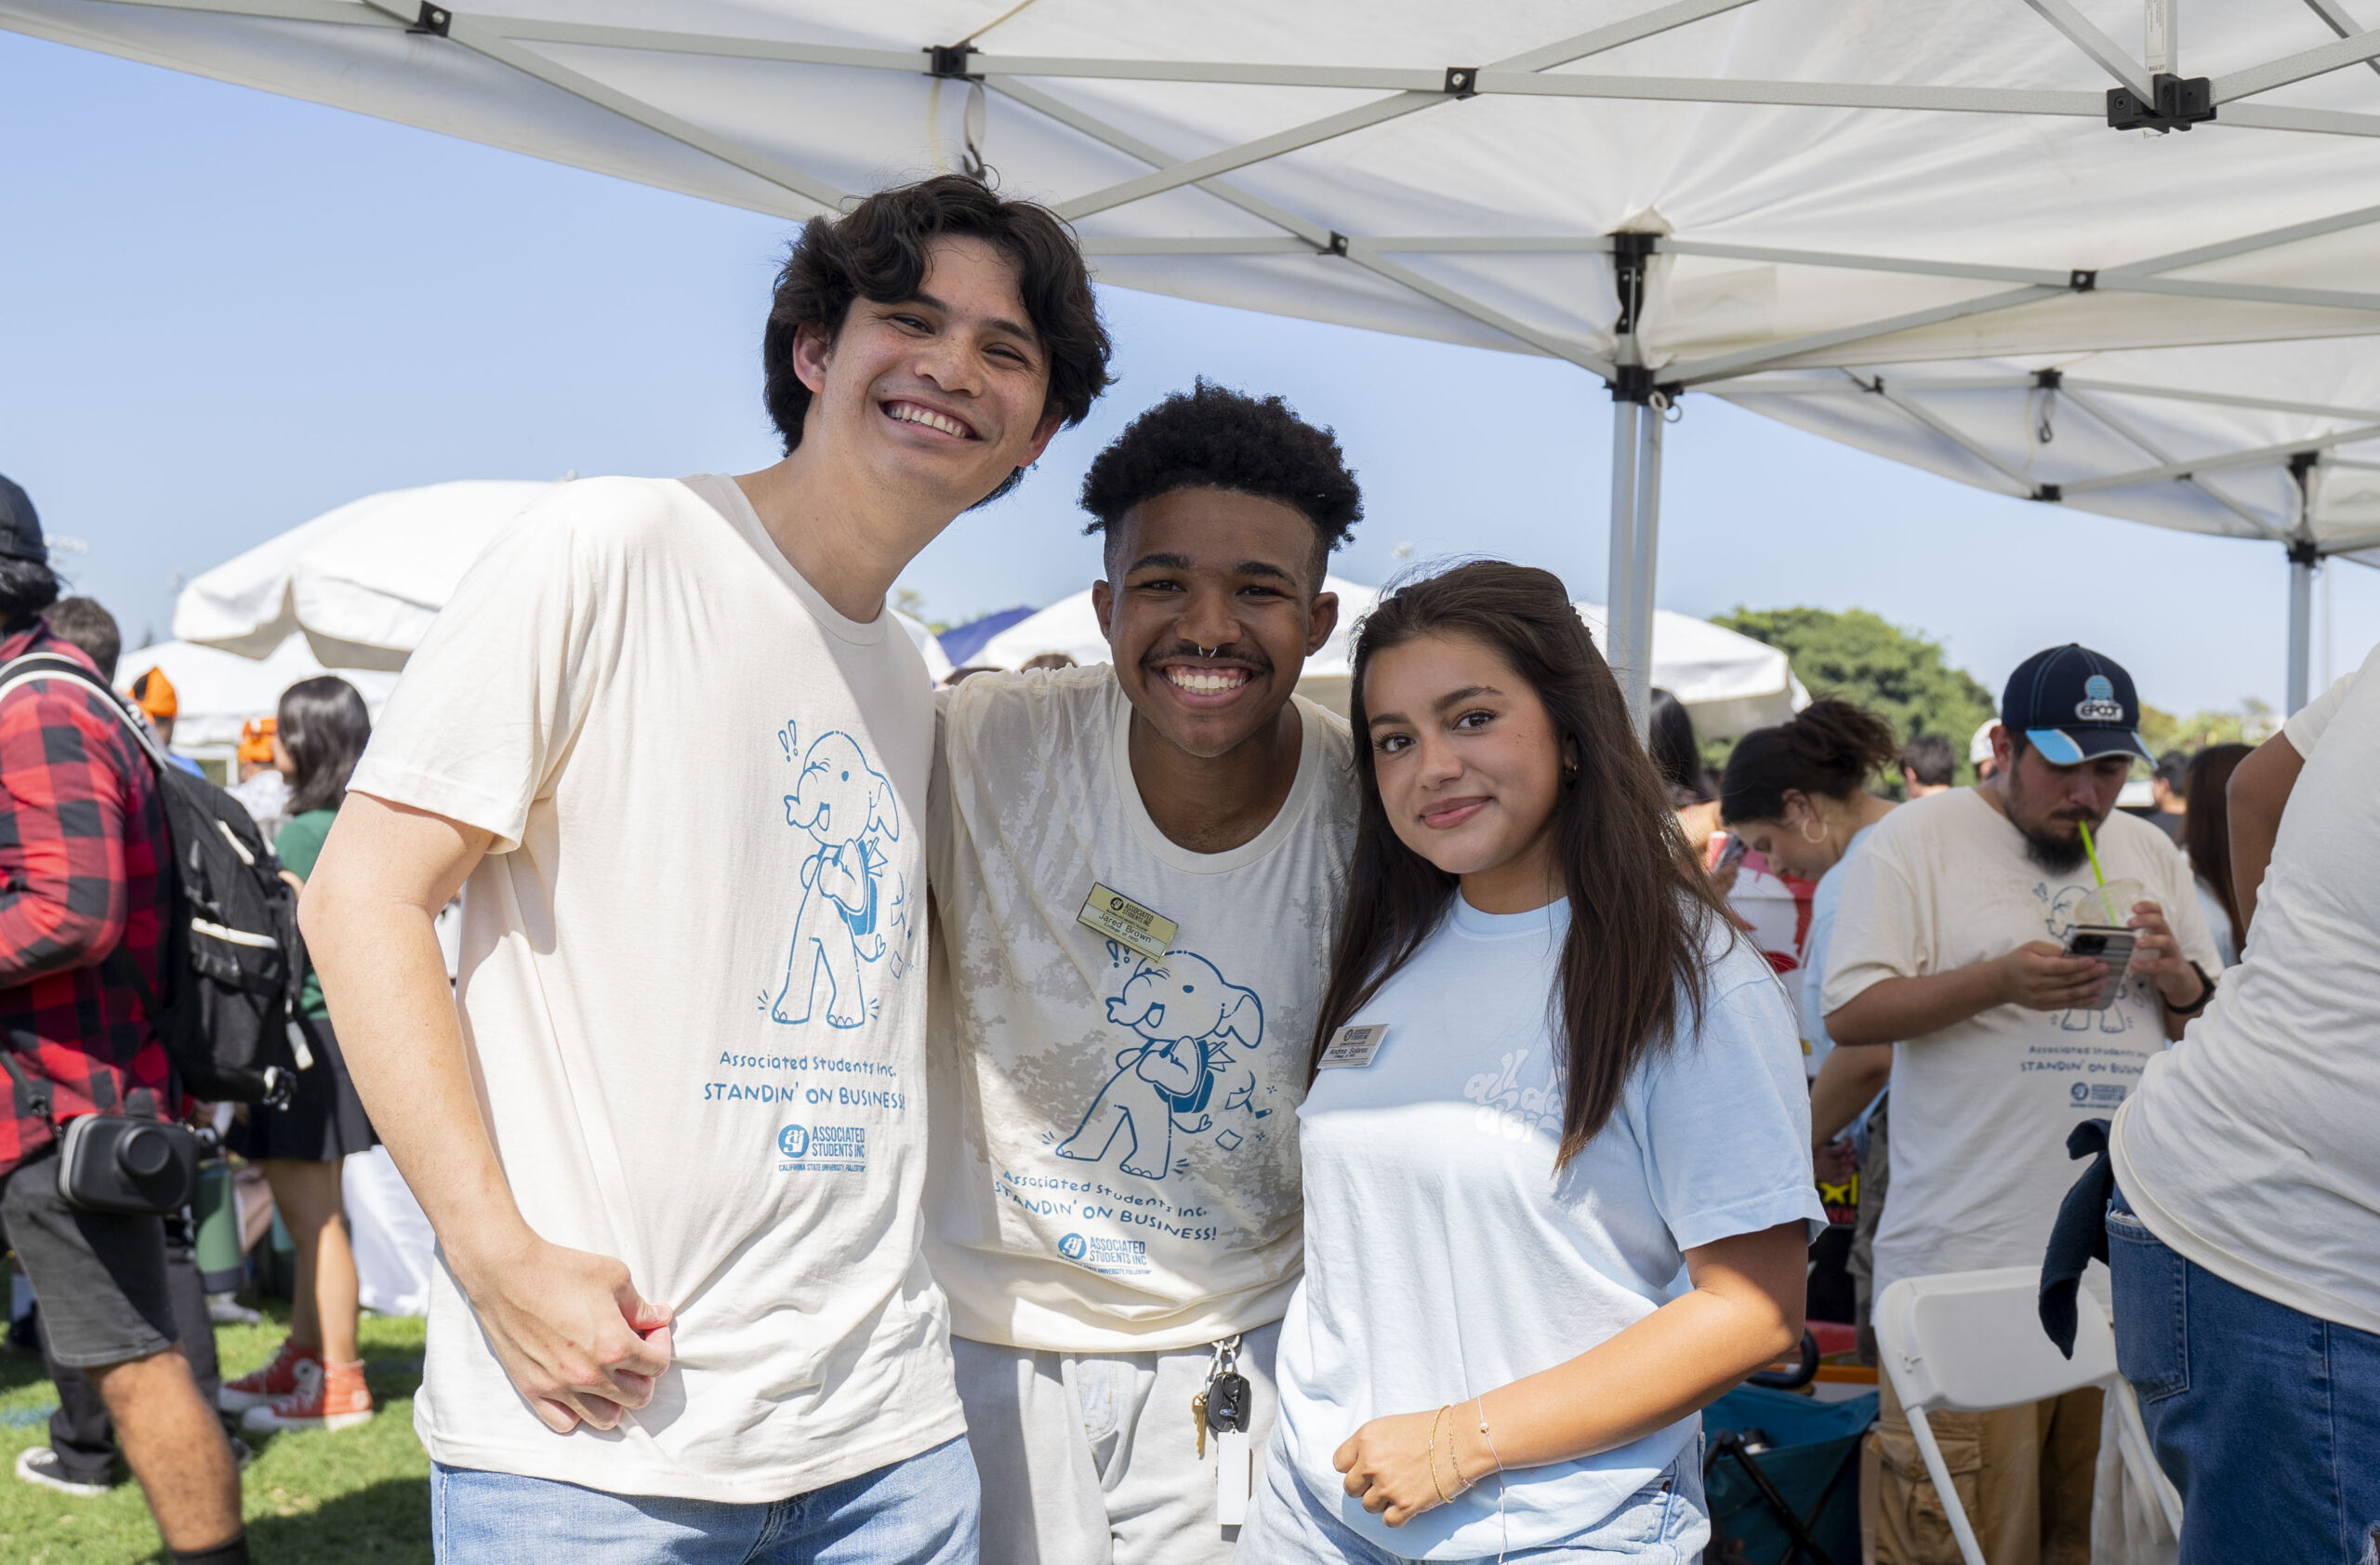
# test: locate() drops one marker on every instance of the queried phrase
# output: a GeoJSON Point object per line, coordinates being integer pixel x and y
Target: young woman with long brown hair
{"type": "Point", "coordinates": [1548, 1080]}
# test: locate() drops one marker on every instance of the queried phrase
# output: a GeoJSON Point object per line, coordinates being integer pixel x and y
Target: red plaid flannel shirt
{"type": "Point", "coordinates": [84, 860]}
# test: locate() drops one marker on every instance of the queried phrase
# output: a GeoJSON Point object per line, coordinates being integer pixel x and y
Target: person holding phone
{"type": "Point", "coordinates": [1550, 1078]}
{"type": "Point", "coordinates": [1951, 944]}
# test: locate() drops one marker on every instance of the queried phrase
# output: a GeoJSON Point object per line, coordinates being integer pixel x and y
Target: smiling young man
{"type": "Point", "coordinates": [674, 1151]}
{"type": "Point", "coordinates": [1948, 946]}
{"type": "Point", "coordinates": [1138, 871]}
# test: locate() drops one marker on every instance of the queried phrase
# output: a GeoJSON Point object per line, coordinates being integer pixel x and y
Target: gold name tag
{"type": "Point", "coordinates": [1351, 1047]}
{"type": "Point", "coordinates": [1119, 918]}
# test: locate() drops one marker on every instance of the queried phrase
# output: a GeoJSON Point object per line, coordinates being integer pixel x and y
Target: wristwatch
{"type": "Point", "coordinates": [2205, 993]}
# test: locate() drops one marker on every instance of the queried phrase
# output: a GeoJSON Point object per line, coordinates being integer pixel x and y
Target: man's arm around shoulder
{"type": "Point", "coordinates": [569, 1327]}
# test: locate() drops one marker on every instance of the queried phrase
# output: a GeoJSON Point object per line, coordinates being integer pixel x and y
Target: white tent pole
{"type": "Point", "coordinates": [2161, 48]}
{"type": "Point", "coordinates": [1621, 571]}
{"type": "Point", "coordinates": [1644, 557]}
{"type": "Point", "coordinates": [2302, 559]}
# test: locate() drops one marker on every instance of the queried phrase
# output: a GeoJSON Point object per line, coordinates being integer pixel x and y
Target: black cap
{"type": "Point", "coordinates": [2073, 703]}
{"type": "Point", "coordinates": [20, 526]}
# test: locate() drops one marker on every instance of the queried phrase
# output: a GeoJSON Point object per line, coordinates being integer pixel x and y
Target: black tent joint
{"type": "Point", "coordinates": [1629, 253]}
{"type": "Point", "coordinates": [1338, 246]}
{"type": "Point", "coordinates": [434, 20]}
{"type": "Point", "coordinates": [1462, 81]}
{"type": "Point", "coordinates": [2082, 281]}
{"type": "Point", "coordinates": [1635, 383]}
{"type": "Point", "coordinates": [2048, 493]}
{"type": "Point", "coordinates": [2180, 102]}
{"type": "Point", "coordinates": [2302, 553]}
{"type": "Point", "coordinates": [949, 61]}
{"type": "Point", "coordinates": [2048, 379]}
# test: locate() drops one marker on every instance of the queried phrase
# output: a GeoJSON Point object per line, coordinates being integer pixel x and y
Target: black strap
{"type": "Point", "coordinates": [49, 665]}
{"type": "Point", "coordinates": [32, 1091]}
{"type": "Point", "coordinates": [118, 963]}
{"type": "Point", "coordinates": [2205, 993]}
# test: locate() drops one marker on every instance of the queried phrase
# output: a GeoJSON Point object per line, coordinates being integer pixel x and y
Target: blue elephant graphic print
{"type": "Point", "coordinates": [848, 909]}
{"type": "Point", "coordinates": [1187, 1020]}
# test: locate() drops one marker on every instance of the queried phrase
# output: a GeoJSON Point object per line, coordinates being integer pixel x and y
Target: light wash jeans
{"type": "Point", "coordinates": [2266, 1419]}
{"type": "Point", "coordinates": [922, 1511]}
{"type": "Point", "coordinates": [1665, 1523]}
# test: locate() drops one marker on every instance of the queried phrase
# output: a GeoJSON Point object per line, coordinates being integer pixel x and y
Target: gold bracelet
{"type": "Point", "coordinates": [1444, 1499]}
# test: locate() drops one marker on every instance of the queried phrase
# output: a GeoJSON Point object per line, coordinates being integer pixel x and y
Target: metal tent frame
{"type": "Point", "coordinates": [2146, 91]}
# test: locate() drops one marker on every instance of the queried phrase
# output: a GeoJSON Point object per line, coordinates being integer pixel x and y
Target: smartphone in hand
{"type": "Point", "coordinates": [2103, 943]}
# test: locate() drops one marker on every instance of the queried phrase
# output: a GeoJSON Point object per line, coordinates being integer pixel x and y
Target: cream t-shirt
{"type": "Point", "coordinates": [1116, 1148]}
{"type": "Point", "coordinates": [1981, 1111]}
{"type": "Point", "coordinates": [2249, 1149]}
{"type": "Point", "coordinates": [690, 992]}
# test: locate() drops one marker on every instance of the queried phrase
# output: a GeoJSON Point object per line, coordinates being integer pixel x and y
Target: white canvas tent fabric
{"type": "Point", "coordinates": [356, 587]}
{"type": "Point", "coordinates": [218, 691]}
{"type": "Point", "coordinates": [361, 583]}
{"type": "Point", "coordinates": [1680, 194]}
{"type": "Point", "coordinates": [1730, 682]}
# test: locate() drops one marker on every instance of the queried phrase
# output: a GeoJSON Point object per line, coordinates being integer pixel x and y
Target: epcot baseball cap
{"type": "Point", "coordinates": [2073, 703]}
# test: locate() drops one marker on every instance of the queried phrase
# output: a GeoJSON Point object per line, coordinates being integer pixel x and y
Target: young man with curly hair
{"type": "Point", "coordinates": [674, 1143]}
{"type": "Point", "coordinates": [1138, 869]}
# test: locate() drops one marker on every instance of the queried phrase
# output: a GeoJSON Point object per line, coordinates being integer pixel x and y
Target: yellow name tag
{"type": "Point", "coordinates": [1119, 918]}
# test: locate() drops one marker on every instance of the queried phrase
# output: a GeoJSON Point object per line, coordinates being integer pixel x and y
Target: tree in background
{"type": "Point", "coordinates": [1895, 673]}
{"type": "Point", "coordinates": [2252, 724]}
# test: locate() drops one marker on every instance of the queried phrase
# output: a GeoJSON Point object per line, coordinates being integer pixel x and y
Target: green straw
{"type": "Point", "coordinates": [2097, 873]}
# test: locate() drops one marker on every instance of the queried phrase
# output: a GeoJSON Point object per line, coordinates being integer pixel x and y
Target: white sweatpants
{"type": "Point", "coordinates": [1092, 1459]}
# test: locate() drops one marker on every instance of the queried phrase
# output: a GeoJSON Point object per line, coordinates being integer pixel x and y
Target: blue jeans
{"type": "Point", "coordinates": [922, 1511]}
{"type": "Point", "coordinates": [2267, 1420]}
{"type": "Point", "coordinates": [1665, 1523]}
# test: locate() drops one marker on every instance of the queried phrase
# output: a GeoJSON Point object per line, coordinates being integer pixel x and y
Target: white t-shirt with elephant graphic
{"type": "Point", "coordinates": [691, 992]}
{"type": "Point", "coordinates": [1981, 1111]}
{"type": "Point", "coordinates": [1114, 1163]}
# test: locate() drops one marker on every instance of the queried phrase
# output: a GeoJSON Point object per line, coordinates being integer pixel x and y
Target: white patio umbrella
{"type": "Point", "coordinates": [357, 588]}
{"type": "Point", "coordinates": [360, 584]}
{"type": "Point", "coordinates": [1730, 682]}
{"type": "Point", "coordinates": [1675, 196]}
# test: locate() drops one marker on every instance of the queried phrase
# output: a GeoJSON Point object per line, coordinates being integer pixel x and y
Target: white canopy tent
{"type": "Point", "coordinates": [360, 584]}
{"type": "Point", "coordinates": [1750, 197]}
{"type": "Point", "coordinates": [218, 691]}
{"type": "Point", "coordinates": [1729, 683]}
{"type": "Point", "coordinates": [356, 587]}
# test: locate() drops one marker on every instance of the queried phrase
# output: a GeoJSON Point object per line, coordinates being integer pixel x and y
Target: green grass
{"type": "Point", "coordinates": [361, 1494]}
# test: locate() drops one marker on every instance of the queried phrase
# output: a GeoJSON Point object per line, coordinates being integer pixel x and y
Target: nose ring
{"type": "Point", "coordinates": [1206, 652]}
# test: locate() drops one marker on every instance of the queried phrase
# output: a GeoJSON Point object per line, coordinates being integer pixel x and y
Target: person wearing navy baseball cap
{"type": "Point", "coordinates": [1950, 945]}
{"type": "Point", "coordinates": [2073, 704]}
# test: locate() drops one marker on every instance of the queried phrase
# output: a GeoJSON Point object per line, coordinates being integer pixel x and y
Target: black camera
{"type": "Point", "coordinates": [113, 1162]}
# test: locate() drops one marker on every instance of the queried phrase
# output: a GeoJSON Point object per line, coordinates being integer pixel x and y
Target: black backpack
{"type": "Point", "coordinates": [230, 963]}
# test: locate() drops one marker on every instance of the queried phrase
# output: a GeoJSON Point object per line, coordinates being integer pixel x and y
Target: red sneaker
{"type": "Point", "coordinates": [276, 1379]}
{"type": "Point", "coordinates": [328, 1396]}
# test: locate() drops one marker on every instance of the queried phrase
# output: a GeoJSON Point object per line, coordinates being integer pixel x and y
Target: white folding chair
{"type": "Point", "coordinates": [1972, 1341]}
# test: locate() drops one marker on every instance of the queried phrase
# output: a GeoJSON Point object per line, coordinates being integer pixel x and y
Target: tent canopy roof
{"type": "Point", "coordinates": [1799, 185]}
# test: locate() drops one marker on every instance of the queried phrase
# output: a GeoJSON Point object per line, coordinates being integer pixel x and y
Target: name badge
{"type": "Point", "coordinates": [1116, 917]}
{"type": "Point", "coordinates": [1353, 1046]}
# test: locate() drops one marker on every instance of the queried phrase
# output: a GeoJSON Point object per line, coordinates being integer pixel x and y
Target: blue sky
{"type": "Point", "coordinates": [224, 313]}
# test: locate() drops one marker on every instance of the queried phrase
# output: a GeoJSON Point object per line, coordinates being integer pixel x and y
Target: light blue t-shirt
{"type": "Point", "coordinates": [1811, 979]}
{"type": "Point", "coordinates": [1445, 1256]}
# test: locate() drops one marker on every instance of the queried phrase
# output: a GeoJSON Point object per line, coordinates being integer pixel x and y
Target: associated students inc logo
{"type": "Point", "coordinates": [1071, 1247]}
{"type": "Point", "coordinates": [793, 1141]}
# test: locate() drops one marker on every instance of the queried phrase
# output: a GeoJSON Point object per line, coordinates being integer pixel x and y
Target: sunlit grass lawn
{"type": "Point", "coordinates": [359, 1494]}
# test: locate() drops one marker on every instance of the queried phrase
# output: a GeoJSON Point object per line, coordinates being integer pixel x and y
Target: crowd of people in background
{"type": "Point", "coordinates": [1302, 1138]}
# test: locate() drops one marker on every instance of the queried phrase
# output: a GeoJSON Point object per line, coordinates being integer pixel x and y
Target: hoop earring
{"type": "Point", "coordinates": [1825, 830]}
